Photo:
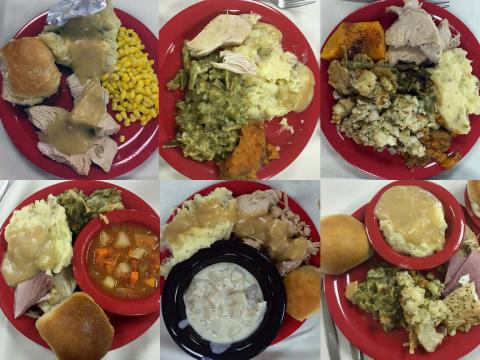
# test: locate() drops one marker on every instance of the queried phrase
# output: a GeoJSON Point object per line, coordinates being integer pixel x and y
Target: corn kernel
{"type": "Point", "coordinates": [133, 86]}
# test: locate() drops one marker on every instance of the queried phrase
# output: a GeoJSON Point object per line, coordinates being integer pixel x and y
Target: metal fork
{"type": "Point", "coordinates": [441, 3]}
{"type": "Point", "coordinates": [4, 188]}
{"type": "Point", "coordinates": [288, 4]}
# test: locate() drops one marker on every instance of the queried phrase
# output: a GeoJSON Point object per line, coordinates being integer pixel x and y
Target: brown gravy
{"type": "Point", "coordinates": [207, 213]}
{"type": "Point", "coordinates": [73, 133]}
{"type": "Point", "coordinates": [87, 48]}
{"type": "Point", "coordinates": [413, 213]}
{"type": "Point", "coordinates": [90, 107]}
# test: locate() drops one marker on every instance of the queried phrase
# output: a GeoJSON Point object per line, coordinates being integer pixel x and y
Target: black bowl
{"type": "Point", "coordinates": [178, 281]}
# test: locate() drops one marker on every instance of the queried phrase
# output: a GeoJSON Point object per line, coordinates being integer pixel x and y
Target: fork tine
{"type": "Point", "coordinates": [297, 3]}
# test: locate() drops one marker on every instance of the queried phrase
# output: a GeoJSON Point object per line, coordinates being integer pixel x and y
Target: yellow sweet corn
{"type": "Point", "coordinates": [133, 86]}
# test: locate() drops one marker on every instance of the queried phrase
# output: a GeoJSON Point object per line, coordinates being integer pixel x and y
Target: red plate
{"type": "Point", "coordinates": [187, 24]}
{"type": "Point", "coordinates": [474, 218]}
{"type": "Point", "coordinates": [290, 325]}
{"type": "Point", "coordinates": [453, 236]}
{"type": "Point", "coordinates": [366, 334]}
{"type": "Point", "coordinates": [382, 164]}
{"type": "Point", "coordinates": [140, 142]}
{"type": "Point", "coordinates": [127, 328]}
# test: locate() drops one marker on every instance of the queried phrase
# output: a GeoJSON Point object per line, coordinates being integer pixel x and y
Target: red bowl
{"type": "Point", "coordinates": [454, 234]}
{"type": "Point", "coordinates": [475, 219]}
{"type": "Point", "coordinates": [131, 307]}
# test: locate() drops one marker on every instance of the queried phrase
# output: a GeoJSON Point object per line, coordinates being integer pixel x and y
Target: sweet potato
{"type": "Point", "coordinates": [362, 37]}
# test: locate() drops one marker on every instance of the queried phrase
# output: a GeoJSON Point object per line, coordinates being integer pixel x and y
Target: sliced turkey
{"type": "Point", "coordinates": [414, 29]}
{"type": "Point", "coordinates": [257, 203]}
{"type": "Point", "coordinates": [103, 153]}
{"type": "Point", "coordinates": [236, 63]}
{"type": "Point", "coordinates": [223, 31]}
{"type": "Point", "coordinates": [79, 163]}
{"type": "Point", "coordinates": [41, 116]}
{"type": "Point", "coordinates": [76, 88]}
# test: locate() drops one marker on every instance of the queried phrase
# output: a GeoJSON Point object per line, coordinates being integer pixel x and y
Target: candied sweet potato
{"type": "Point", "coordinates": [248, 156]}
{"type": "Point", "coordinates": [361, 37]}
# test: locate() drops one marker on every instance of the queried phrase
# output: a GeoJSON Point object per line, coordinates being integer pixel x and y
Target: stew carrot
{"type": "Point", "coordinates": [133, 277]}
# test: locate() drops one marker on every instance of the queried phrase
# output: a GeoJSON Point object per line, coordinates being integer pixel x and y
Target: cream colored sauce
{"type": "Point", "coordinates": [224, 304]}
{"type": "Point", "coordinates": [87, 48]}
{"type": "Point", "coordinates": [415, 215]}
{"type": "Point", "coordinates": [274, 234]}
{"type": "Point", "coordinates": [73, 133]}
{"type": "Point", "coordinates": [28, 253]}
{"type": "Point", "coordinates": [207, 214]}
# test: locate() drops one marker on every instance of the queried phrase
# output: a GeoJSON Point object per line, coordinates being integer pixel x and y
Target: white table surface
{"type": "Point", "coordinates": [335, 200]}
{"type": "Point", "coordinates": [13, 344]}
{"type": "Point", "coordinates": [333, 165]}
{"type": "Point", "coordinates": [306, 18]}
{"type": "Point", "coordinates": [13, 15]}
{"type": "Point", "coordinates": [304, 343]}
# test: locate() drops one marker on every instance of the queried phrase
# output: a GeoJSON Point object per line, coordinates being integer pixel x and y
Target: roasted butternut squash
{"type": "Point", "coordinates": [362, 37]}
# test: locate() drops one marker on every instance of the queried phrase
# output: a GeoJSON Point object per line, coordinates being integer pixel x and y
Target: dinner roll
{"type": "Point", "coordinates": [343, 244]}
{"type": "Point", "coordinates": [302, 287]}
{"type": "Point", "coordinates": [77, 329]}
{"type": "Point", "coordinates": [473, 190]}
{"type": "Point", "coordinates": [29, 71]}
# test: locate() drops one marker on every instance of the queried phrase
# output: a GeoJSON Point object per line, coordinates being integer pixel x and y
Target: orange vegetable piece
{"type": "Point", "coordinates": [361, 37]}
{"type": "Point", "coordinates": [101, 254]}
{"type": "Point", "coordinates": [109, 268]}
{"type": "Point", "coordinates": [133, 277]}
{"type": "Point", "coordinates": [152, 282]}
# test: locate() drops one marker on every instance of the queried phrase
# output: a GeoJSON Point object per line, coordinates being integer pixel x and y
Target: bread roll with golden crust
{"type": "Point", "coordinates": [302, 286]}
{"type": "Point", "coordinates": [473, 190]}
{"type": "Point", "coordinates": [77, 329]}
{"type": "Point", "coordinates": [343, 244]}
{"type": "Point", "coordinates": [29, 71]}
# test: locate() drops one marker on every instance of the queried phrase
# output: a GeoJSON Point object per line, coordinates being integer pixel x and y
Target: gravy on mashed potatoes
{"type": "Point", "coordinates": [198, 224]}
{"type": "Point", "coordinates": [412, 220]}
{"type": "Point", "coordinates": [39, 239]}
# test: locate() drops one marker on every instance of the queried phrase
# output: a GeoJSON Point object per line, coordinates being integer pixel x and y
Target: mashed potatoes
{"type": "Point", "coordinates": [282, 84]}
{"type": "Point", "coordinates": [457, 90]}
{"type": "Point", "coordinates": [198, 224]}
{"type": "Point", "coordinates": [39, 239]}
{"type": "Point", "coordinates": [412, 220]}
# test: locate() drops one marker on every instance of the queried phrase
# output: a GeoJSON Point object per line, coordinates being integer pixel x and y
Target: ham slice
{"type": "Point", "coordinates": [470, 267]}
{"type": "Point", "coordinates": [455, 263]}
{"type": "Point", "coordinates": [29, 292]}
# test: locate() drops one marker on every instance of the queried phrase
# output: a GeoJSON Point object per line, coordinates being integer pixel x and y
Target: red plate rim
{"type": "Point", "coordinates": [454, 235]}
{"type": "Point", "coordinates": [131, 327]}
{"type": "Point", "coordinates": [475, 219]}
{"type": "Point", "coordinates": [384, 165]}
{"type": "Point", "coordinates": [169, 60]}
{"type": "Point", "coordinates": [140, 144]}
{"type": "Point", "coordinates": [240, 187]}
{"type": "Point", "coordinates": [366, 334]}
